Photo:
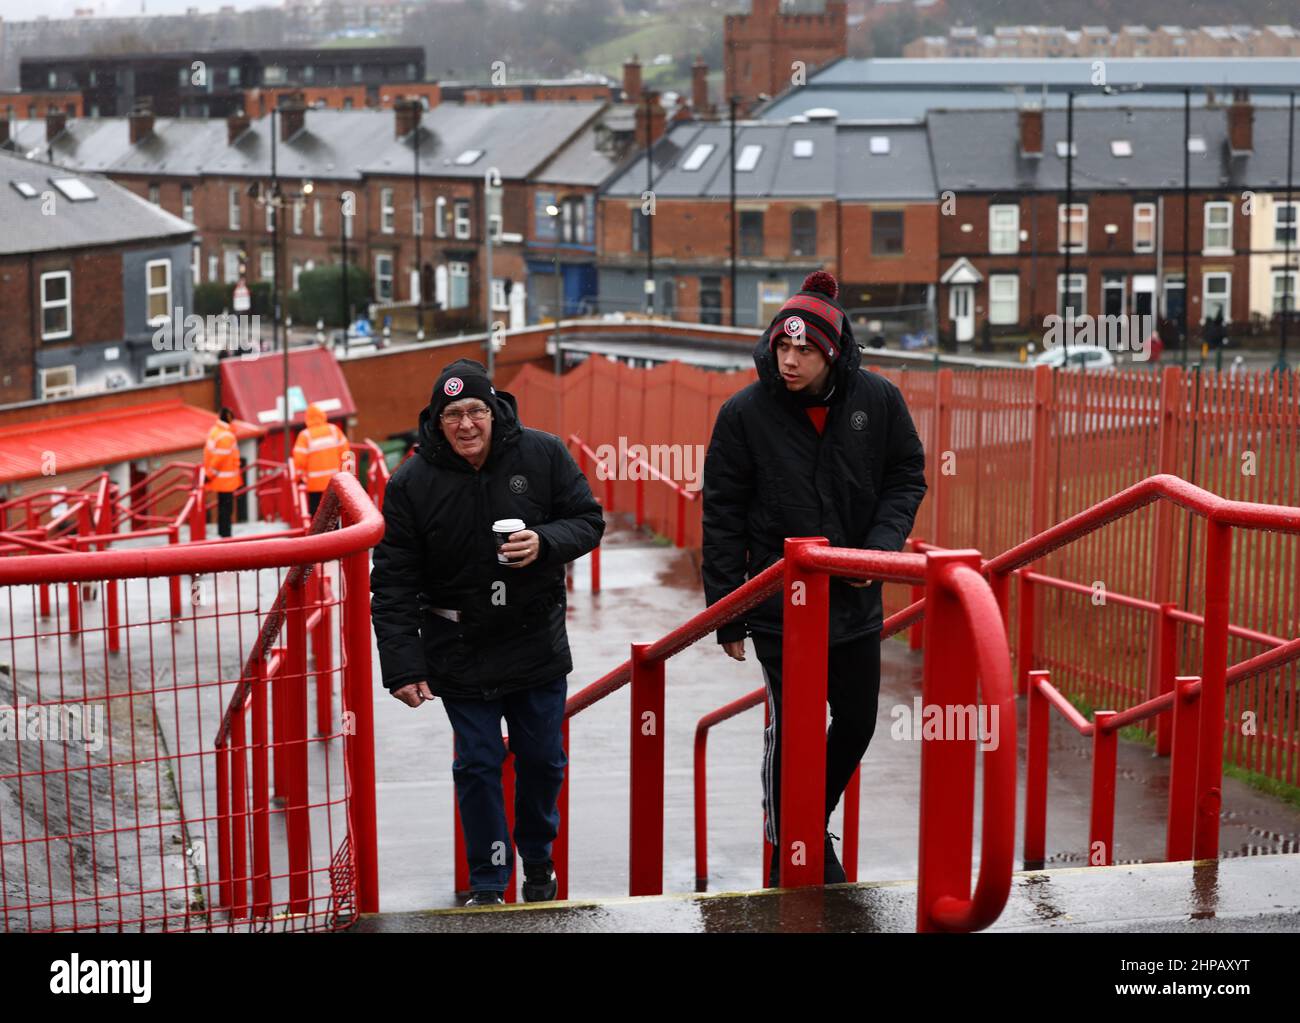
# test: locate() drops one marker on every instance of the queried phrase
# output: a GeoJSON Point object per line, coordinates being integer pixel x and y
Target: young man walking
{"type": "Point", "coordinates": [815, 447]}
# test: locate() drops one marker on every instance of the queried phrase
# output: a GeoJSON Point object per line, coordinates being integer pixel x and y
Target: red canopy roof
{"type": "Point", "coordinates": [91, 439]}
{"type": "Point", "coordinates": [253, 387]}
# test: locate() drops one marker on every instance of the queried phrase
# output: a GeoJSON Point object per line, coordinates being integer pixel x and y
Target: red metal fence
{"type": "Point", "coordinates": [165, 772]}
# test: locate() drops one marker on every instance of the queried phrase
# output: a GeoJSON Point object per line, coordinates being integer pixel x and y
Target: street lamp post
{"type": "Point", "coordinates": [553, 211]}
{"type": "Point", "coordinates": [1288, 282]}
{"type": "Point", "coordinates": [734, 101]}
{"type": "Point", "coordinates": [343, 240]}
{"type": "Point", "coordinates": [650, 98]}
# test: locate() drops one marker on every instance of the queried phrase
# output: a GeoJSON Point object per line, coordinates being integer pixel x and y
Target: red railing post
{"type": "Point", "coordinates": [852, 797]}
{"type": "Point", "coordinates": [1101, 820]}
{"type": "Point", "coordinates": [1025, 638]}
{"type": "Point", "coordinates": [114, 615]}
{"type": "Point", "coordinates": [323, 651]}
{"type": "Point", "coordinates": [297, 821]}
{"type": "Point", "coordinates": [261, 751]}
{"type": "Point", "coordinates": [700, 765]}
{"type": "Point", "coordinates": [640, 500]}
{"type": "Point", "coordinates": [511, 894]}
{"type": "Point", "coordinates": [806, 633]}
{"type": "Point", "coordinates": [279, 726]}
{"type": "Point", "coordinates": [1182, 769]}
{"type": "Point", "coordinates": [359, 738]}
{"type": "Point", "coordinates": [1214, 678]}
{"type": "Point", "coordinates": [680, 539]}
{"type": "Point", "coordinates": [916, 635]}
{"type": "Point", "coordinates": [224, 792]}
{"type": "Point", "coordinates": [237, 826]}
{"type": "Point", "coordinates": [560, 847]}
{"type": "Point", "coordinates": [941, 494]}
{"type": "Point", "coordinates": [646, 859]}
{"type": "Point", "coordinates": [1038, 744]}
{"type": "Point", "coordinates": [459, 853]}
{"type": "Point", "coordinates": [595, 569]}
{"type": "Point", "coordinates": [174, 582]}
{"type": "Point", "coordinates": [198, 517]}
{"type": "Point", "coordinates": [1166, 666]}
{"type": "Point", "coordinates": [74, 610]}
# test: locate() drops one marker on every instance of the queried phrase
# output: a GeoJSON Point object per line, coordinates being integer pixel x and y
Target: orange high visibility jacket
{"type": "Point", "coordinates": [319, 450]}
{"type": "Point", "coordinates": [221, 459]}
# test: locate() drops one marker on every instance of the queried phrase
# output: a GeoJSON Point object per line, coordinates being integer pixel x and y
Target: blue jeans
{"type": "Point", "coordinates": [534, 718]}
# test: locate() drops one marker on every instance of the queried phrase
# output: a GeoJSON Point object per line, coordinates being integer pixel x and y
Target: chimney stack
{"type": "Point", "coordinates": [1241, 121]}
{"type": "Point", "coordinates": [632, 80]}
{"type": "Point", "coordinates": [4, 132]}
{"type": "Point", "coordinates": [141, 124]}
{"type": "Point", "coordinates": [700, 86]}
{"type": "Point", "coordinates": [407, 113]}
{"type": "Point", "coordinates": [55, 122]}
{"type": "Point", "coordinates": [657, 117]}
{"type": "Point", "coordinates": [236, 125]}
{"type": "Point", "coordinates": [293, 115]}
{"type": "Point", "coordinates": [1031, 131]}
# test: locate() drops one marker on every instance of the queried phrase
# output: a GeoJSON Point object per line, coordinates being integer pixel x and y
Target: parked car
{"type": "Point", "coordinates": [1087, 359]}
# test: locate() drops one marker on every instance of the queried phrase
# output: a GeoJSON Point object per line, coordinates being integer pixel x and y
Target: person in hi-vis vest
{"type": "Point", "coordinates": [221, 473]}
{"type": "Point", "coordinates": [319, 452]}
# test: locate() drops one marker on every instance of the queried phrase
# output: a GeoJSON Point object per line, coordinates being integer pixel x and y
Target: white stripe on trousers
{"type": "Point", "coordinates": [769, 745]}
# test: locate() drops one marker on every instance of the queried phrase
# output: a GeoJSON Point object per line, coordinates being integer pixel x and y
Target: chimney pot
{"type": "Point", "coordinates": [700, 86]}
{"type": "Point", "coordinates": [293, 115]}
{"type": "Point", "coordinates": [236, 125]}
{"type": "Point", "coordinates": [632, 80]}
{"type": "Point", "coordinates": [141, 124]}
{"type": "Point", "coordinates": [407, 114]}
{"type": "Point", "coordinates": [1241, 123]}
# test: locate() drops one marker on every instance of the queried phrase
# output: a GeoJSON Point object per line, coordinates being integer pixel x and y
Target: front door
{"type": "Point", "coordinates": [961, 310]}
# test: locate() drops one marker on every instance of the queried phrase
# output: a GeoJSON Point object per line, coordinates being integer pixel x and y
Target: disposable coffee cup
{"type": "Point", "coordinates": [501, 529]}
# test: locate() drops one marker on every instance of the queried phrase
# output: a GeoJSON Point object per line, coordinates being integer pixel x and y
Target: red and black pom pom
{"type": "Point", "coordinates": [821, 281]}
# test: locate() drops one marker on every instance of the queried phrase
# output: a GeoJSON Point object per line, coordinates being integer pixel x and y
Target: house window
{"type": "Point", "coordinates": [155, 194]}
{"type": "Point", "coordinates": [297, 272]}
{"type": "Point", "coordinates": [233, 219]}
{"type": "Point", "coordinates": [297, 216]}
{"type": "Point", "coordinates": [1074, 298]}
{"type": "Point", "coordinates": [1112, 294]}
{"type": "Point", "coordinates": [1216, 296]}
{"type": "Point", "coordinates": [56, 305]}
{"type": "Point", "coordinates": [1072, 227]}
{"type": "Point", "coordinates": [268, 264]}
{"type": "Point", "coordinates": [751, 232]}
{"type": "Point", "coordinates": [1284, 224]}
{"type": "Point", "coordinates": [417, 216]}
{"type": "Point", "coordinates": [640, 229]}
{"type": "Point", "coordinates": [462, 218]}
{"type": "Point", "coordinates": [317, 218]}
{"type": "Point", "coordinates": [573, 220]}
{"type": "Point", "coordinates": [1144, 227]}
{"type": "Point", "coordinates": [1284, 291]}
{"type": "Point", "coordinates": [495, 220]}
{"type": "Point", "coordinates": [187, 203]}
{"type": "Point", "coordinates": [1218, 227]}
{"type": "Point", "coordinates": [270, 217]}
{"type": "Point", "coordinates": [384, 277]}
{"type": "Point", "coordinates": [213, 262]}
{"type": "Point", "coordinates": [196, 264]}
{"type": "Point", "coordinates": [387, 212]}
{"type": "Point", "coordinates": [1004, 229]}
{"type": "Point", "coordinates": [440, 217]}
{"type": "Point", "coordinates": [886, 232]}
{"type": "Point", "coordinates": [58, 382]}
{"type": "Point", "coordinates": [499, 301]}
{"type": "Point", "coordinates": [803, 233]}
{"type": "Point", "coordinates": [232, 76]}
{"type": "Point", "coordinates": [459, 296]}
{"type": "Point", "coordinates": [231, 259]}
{"type": "Point", "coordinates": [711, 300]}
{"type": "Point", "coordinates": [1004, 298]}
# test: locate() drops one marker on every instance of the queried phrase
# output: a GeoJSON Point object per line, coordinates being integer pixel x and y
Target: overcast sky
{"type": "Point", "coordinates": [24, 10]}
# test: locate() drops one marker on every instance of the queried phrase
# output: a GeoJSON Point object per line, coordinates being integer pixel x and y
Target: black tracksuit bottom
{"type": "Point", "coordinates": [853, 692]}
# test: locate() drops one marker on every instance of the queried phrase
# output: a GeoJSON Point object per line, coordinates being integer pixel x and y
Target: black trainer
{"type": "Point", "coordinates": [832, 871]}
{"type": "Point", "coordinates": [774, 872]}
{"type": "Point", "coordinates": [540, 884]}
{"type": "Point", "coordinates": [485, 897]}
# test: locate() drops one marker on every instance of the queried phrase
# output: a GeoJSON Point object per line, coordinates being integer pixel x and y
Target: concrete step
{"type": "Point", "coordinates": [1248, 893]}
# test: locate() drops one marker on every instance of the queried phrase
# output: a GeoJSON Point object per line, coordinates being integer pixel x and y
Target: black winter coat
{"type": "Point", "coordinates": [438, 551]}
{"type": "Point", "coordinates": [769, 475]}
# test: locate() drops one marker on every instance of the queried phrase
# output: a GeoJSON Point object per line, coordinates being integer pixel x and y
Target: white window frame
{"type": "Point", "coordinates": [187, 203]}
{"type": "Point", "coordinates": [440, 216]}
{"type": "Point", "coordinates": [1274, 293]}
{"type": "Point", "coordinates": [1065, 217]}
{"type": "Point", "coordinates": [297, 216]}
{"type": "Point", "coordinates": [296, 272]}
{"type": "Point", "coordinates": [65, 304]}
{"type": "Point", "coordinates": [1012, 298]}
{"type": "Point", "coordinates": [460, 210]}
{"type": "Point", "coordinates": [499, 302]}
{"type": "Point", "coordinates": [382, 257]}
{"type": "Point", "coordinates": [998, 242]}
{"type": "Point", "coordinates": [266, 264]}
{"type": "Point", "coordinates": [65, 391]}
{"type": "Point", "coordinates": [234, 212]}
{"type": "Point", "coordinates": [317, 218]}
{"type": "Point", "coordinates": [455, 270]}
{"type": "Point", "coordinates": [1144, 213]}
{"type": "Point", "coordinates": [1217, 207]}
{"type": "Point", "coordinates": [269, 208]}
{"type": "Point", "coordinates": [1116, 283]}
{"type": "Point", "coordinates": [1217, 275]}
{"type": "Point", "coordinates": [196, 264]}
{"type": "Point", "coordinates": [387, 211]}
{"type": "Point", "coordinates": [417, 216]}
{"type": "Point", "coordinates": [230, 265]}
{"type": "Point", "coordinates": [214, 267]}
{"type": "Point", "coordinates": [155, 194]}
{"type": "Point", "coordinates": [1279, 240]}
{"type": "Point", "coordinates": [1062, 291]}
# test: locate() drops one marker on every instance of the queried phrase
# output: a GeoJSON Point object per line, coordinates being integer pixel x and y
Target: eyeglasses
{"type": "Point", "coordinates": [476, 415]}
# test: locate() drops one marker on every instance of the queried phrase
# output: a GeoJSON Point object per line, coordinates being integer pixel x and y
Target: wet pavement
{"type": "Point", "coordinates": [648, 590]}
{"type": "Point", "coordinates": [1255, 894]}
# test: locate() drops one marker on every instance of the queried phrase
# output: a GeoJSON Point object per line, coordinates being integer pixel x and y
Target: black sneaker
{"type": "Point", "coordinates": [540, 884]}
{"type": "Point", "coordinates": [774, 872]}
{"type": "Point", "coordinates": [832, 871]}
{"type": "Point", "coordinates": [485, 897]}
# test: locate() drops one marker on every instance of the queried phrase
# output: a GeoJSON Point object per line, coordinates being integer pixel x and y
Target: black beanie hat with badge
{"type": "Point", "coordinates": [463, 378]}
